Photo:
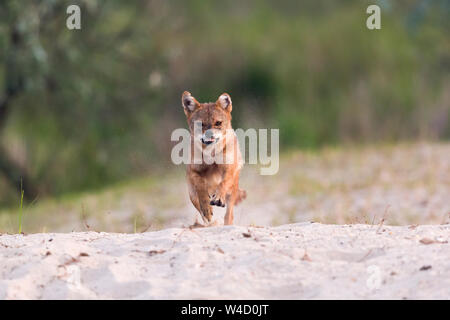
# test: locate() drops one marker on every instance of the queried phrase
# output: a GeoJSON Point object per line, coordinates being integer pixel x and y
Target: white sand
{"type": "Point", "coordinates": [342, 261]}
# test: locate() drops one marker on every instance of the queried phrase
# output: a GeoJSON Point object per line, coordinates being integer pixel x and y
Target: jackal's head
{"type": "Point", "coordinates": [213, 118]}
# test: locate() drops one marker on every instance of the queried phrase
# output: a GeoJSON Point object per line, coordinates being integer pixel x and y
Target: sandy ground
{"type": "Point", "coordinates": [296, 261]}
{"type": "Point", "coordinates": [403, 184]}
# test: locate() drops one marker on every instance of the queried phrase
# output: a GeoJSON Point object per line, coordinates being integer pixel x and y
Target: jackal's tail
{"type": "Point", "coordinates": [242, 194]}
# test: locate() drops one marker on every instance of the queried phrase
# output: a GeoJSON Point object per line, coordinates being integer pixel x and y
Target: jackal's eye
{"type": "Point", "coordinates": [218, 123]}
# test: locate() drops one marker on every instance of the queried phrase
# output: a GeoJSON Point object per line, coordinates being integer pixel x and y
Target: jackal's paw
{"type": "Point", "coordinates": [213, 223]}
{"type": "Point", "coordinates": [218, 199]}
{"type": "Point", "coordinates": [207, 216]}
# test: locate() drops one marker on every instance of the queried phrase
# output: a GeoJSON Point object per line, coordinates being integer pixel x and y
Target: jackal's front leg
{"type": "Point", "coordinates": [200, 197]}
{"type": "Point", "coordinates": [225, 188]}
{"type": "Point", "coordinates": [205, 207]}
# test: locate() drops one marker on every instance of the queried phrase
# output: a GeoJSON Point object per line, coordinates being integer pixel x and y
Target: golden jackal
{"type": "Point", "coordinates": [213, 182]}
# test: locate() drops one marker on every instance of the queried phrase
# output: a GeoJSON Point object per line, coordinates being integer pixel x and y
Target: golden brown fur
{"type": "Point", "coordinates": [215, 183]}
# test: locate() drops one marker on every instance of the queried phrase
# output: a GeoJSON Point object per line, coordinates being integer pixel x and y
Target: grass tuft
{"type": "Point", "coordinates": [21, 207]}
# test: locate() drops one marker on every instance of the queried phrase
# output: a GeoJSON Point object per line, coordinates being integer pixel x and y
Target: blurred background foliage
{"type": "Point", "coordinates": [84, 108]}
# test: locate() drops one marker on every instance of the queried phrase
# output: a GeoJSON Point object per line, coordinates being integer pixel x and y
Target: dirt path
{"type": "Point", "coordinates": [297, 261]}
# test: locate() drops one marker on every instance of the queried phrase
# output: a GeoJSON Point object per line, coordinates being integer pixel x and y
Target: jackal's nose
{"type": "Point", "coordinates": [209, 135]}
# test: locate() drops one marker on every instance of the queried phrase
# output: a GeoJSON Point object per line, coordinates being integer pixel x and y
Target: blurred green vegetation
{"type": "Point", "coordinates": [84, 108]}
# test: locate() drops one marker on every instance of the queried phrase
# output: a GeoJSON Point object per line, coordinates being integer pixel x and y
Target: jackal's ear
{"type": "Point", "coordinates": [225, 102]}
{"type": "Point", "coordinates": [189, 103]}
